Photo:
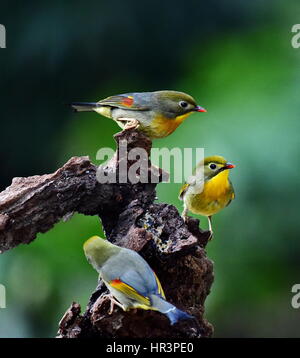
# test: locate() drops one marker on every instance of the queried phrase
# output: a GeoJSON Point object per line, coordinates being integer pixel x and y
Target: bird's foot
{"type": "Point", "coordinates": [130, 123]}
{"type": "Point", "coordinates": [184, 215]}
{"type": "Point", "coordinates": [114, 302]}
{"type": "Point", "coordinates": [133, 123]}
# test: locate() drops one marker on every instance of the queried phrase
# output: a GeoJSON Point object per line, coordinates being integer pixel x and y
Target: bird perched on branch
{"type": "Point", "coordinates": [129, 278]}
{"type": "Point", "coordinates": [209, 190]}
{"type": "Point", "coordinates": [157, 114]}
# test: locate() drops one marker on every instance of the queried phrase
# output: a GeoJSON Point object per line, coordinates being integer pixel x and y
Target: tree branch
{"type": "Point", "coordinates": [131, 219]}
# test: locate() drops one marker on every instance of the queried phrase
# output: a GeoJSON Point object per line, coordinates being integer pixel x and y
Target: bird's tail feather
{"type": "Point", "coordinates": [83, 106]}
{"type": "Point", "coordinates": [173, 313]}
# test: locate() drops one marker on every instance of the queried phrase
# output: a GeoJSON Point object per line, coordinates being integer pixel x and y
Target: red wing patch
{"type": "Point", "coordinates": [127, 101]}
{"type": "Point", "coordinates": [115, 282]}
{"type": "Point", "coordinates": [129, 291]}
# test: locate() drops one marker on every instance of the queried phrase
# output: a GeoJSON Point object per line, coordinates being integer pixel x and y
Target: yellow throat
{"type": "Point", "coordinates": [162, 127]}
{"type": "Point", "coordinates": [217, 186]}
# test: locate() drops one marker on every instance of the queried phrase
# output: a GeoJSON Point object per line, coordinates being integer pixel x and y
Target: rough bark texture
{"type": "Point", "coordinates": [130, 218]}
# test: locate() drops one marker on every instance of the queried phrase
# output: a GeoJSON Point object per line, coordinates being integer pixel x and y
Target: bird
{"type": "Point", "coordinates": [157, 114]}
{"type": "Point", "coordinates": [209, 190]}
{"type": "Point", "coordinates": [129, 278]}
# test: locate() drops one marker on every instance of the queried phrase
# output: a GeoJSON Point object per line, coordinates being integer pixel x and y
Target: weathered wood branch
{"type": "Point", "coordinates": [131, 218]}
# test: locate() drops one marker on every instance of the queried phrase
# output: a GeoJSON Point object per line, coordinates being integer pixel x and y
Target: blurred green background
{"type": "Point", "coordinates": [236, 59]}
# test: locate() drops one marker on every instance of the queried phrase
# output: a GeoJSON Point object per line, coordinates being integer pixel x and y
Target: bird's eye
{"type": "Point", "coordinates": [212, 166]}
{"type": "Point", "coordinates": [183, 104]}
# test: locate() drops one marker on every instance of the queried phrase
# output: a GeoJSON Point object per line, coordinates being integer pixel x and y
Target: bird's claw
{"type": "Point", "coordinates": [103, 298]}
{"type": "Point", "coordinates": [130, 123]}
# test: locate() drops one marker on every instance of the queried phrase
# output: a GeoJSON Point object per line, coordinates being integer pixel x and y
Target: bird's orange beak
{"type": "Point", "coordinates": [199, 109]}
{"type": "Point", "coordinates": [229, 166]}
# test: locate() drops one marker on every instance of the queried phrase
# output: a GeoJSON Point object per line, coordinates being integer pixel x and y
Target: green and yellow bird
{"type": "Point", "coordinates": [129, 278]}
{"type": "Point", "coordinates": [157, 114]}
{"type": "Point", "coordinates": [209, 190]}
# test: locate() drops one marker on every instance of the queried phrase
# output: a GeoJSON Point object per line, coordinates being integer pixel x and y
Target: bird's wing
{"type": "Point", "coordinates": [129, 290]}
{"type": "Point", "coordinates": [129, 273]}
{"type": "Point", "coordinates": [159, 287]}
{"type": "Point", "coordinates": [183, 190]}
{"type": "Point", "coordinates": [232, 193]}
{"type": "Point", "coordinates": [122, 101]}
{"type": "Point", "coordinates": [191, 182]}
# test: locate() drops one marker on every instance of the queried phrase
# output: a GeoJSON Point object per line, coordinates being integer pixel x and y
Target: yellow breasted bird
{"type": "Point", "coordinates": [157, 114]}
{"type": "Point", "coordinates": [129, 278]}
{"type": "Point", "coordinates": [209, 190]}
